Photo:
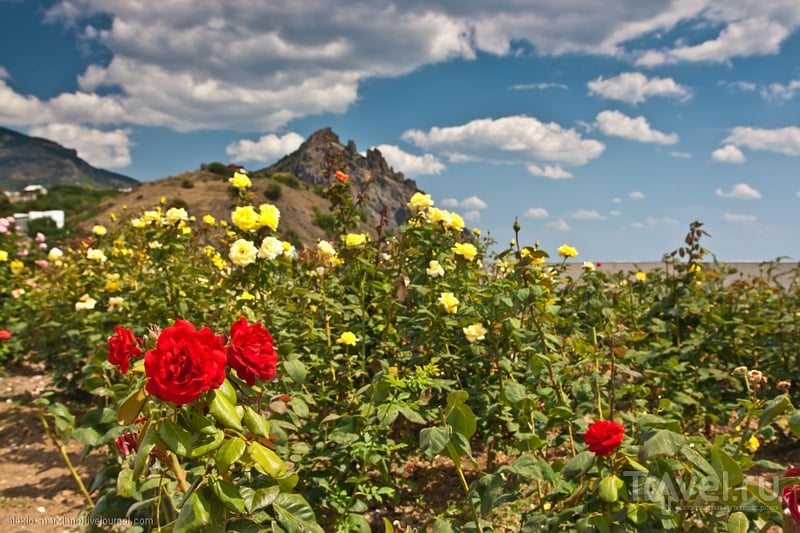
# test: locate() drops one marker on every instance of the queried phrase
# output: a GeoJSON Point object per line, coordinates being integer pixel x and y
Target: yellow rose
{"type": "Point", "coordinates": [567, 251]}
{"type": "Point", "coordinates": [269, 216]}
{"type": "Point", "coordinates": [240, 181]}
{"type": "Point", "coordinates": [348, 338]}
{"type": "Point", "coordinates": [3, 255]}
{"type": "Point", "coordinates": [270, 248]}
{"type": "Point", "coordinates": [326, 249]}
{"type": "Point", "coordinates": [435, 269]}
{"type": "Point", "coordinates": [243, 252]}
{"type": "Point", "coordinates": [465, 249]}
{"type": "Point", "coordinates": [355, 239]}
{"type": "Point", "coordinates": [475, 332]}
{"type": "Point", "coordinates": [752, 444]}
{"type": "Point", "coordinates": [449, 302]}
{"type": "Point", "coordinates": [419, 202]}
{"type": "Point", "coordinates": [209, 220]}
{"type": "Point", "coordinates": [640, 276]}
{"type": "Point", "coordinates": [94, 254]}
{"type": "Point", "coordinates": [99, 230]}
{"type": "Point", "coordinates": [245, 218]}
{"type": "Point", "coordinates": [176, 214]}
{"type": "Point", "coordinates": [16, 265]}
{"type": "Point", "coordinates": [454, 221]}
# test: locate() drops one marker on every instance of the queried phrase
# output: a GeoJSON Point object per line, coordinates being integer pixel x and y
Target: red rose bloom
{"type": "Point", "coordinates": [252, 352]}
{"type": "Point", "coordinates": [121, 347]}
{"type": "Point", "coordinates": [604, 436]}
{"type": "Point", "coordinates": [185, 363]}
{"type": "Point", "coordinates": [790, 495]}
{"type": "Point", "coordinates": [4, 334]}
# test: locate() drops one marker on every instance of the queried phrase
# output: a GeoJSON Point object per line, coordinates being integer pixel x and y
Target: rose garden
{"type": "Point", "coordinates": [236, 381]}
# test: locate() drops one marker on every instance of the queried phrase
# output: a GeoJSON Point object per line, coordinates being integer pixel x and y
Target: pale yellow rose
{"type": "Point", "coordinates": [419, 202]}
{"type": "Point", "coordinates": [465, 249]}
{"type": "Point", "coordinates": [449, 302]}
{"type": "Point", "coordinates": [355, 239]}
{"type": "Point", "coordinates": [475, 332]}
{"type": "Point", "coordinates": [245, 218]}
{"type": "Point", "coordinates": [243, 252]}
{"type": "Point", "coordinates": [99, 230]}
{"type": "Point", "coordinates": [567, 251]}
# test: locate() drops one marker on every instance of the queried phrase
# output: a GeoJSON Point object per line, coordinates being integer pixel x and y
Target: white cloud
{"type": "Point", "coordinates": [636, 195]}
{"type": "Point", "coordinates": [104, 149]}
{"type": "Point", "coordinates": [740, 191]}
{"type": "Point", "coordinates": [615, 213]}
{"type": "Point", "coordinates": [514, 138]}
{"type": "Point", "coordinates": [737, 217]}
{"type": "Point", "coordinates": [617, 200]}
{"type": "Point", "coordinates": [756, 35]}
{"type": "Point", "coordinates": [266, 148]}
{"type": "Point", "coordinates": [587, 214]}
{"type": "Point", "coordinates": [635, 88]}
{"type": "Point", "coordinates": [537, 86]}
{"type": "Point", "coordinates": [472, 202]}
{"type": "Point", "coordinates": [781, 140]}
{"type": "Point", "coordinates": [472, 215]}
{"type": "Point", "coordinates": [728, 154]}
{"type": "Point", "coordinates": [4, 73]}
{"type": "Point", "coordinates": [559, 224]}
{"type": "Point", "coordinates": [739, 86]}
{"type": "Point", "coordinates": [654, 222]}
{"type": "Point", "coordinates": [680, 155]}
{"type": "Point", "coordinates": [541, 212]}
{"type": "Point", "coordinates": [616, 124]}
{"type": "Point", "coordinates": [775, 92]}
{"type": "Point", "coordinates": [409, 164]}
{"type": "Point", "coordinates": [550, 171]}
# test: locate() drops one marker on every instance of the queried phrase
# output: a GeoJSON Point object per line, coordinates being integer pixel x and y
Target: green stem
{"type": "Point", "coordinates": [63, 452]}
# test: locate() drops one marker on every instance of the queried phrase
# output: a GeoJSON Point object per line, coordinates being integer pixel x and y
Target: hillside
{"type": "Point", "coordinates": [297, 177]}
{"type": "Point", "coordinates": [28, 160]}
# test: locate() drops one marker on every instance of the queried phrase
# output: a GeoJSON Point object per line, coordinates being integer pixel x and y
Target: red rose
{"type": "Point", "coordinates": [252, 352]}
{"type": "Point", "coordinates": [185, 363]}
{"type": "Point", "coordinates": [4, 334]}
{"type": "Point", "coordinates": [790, 495]}
{"type": "Point", "coordinates": [604, 436]}
{"type": "Point", "coordinates": [121, 347]}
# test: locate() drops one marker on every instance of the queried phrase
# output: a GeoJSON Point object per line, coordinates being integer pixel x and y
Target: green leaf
{"type": "Point", "coordinates": [794, 423]}
{"type": "Point", "coordinates": [266, 460]}
{"type": "Point", "coordinates": [661, 442]}
{"type": "Point", "coordinates": [459, 414]}
{"type": "Point", "coordinates": [131, 407]}
{"type": "Point", "coordinates": [442, 526]}
{"type": "Point", "coordinates": [230, 452]}
{"type": "Point", "coordinates": [698, 460]}
{"type": "Point", "coordinates": [774, 407]}
{"type": "Point", "coordinates": [177, 439]}
{"type": "Point", "coordinates": [387, 526]}
{"type": "Point", "coordinates": [195, 514]}
{"type": "Point", "coordinates": [255, 499]}
{"type": "Point", "coordinates": [228, 390]}
{"type": "Point", "coordinates": [433, 440]}
{"type": "Point", "coordinates": [578, 465]}
{"type": "Point", "coordinates": [126, 484]}
{"type": "Point", "coordinates": [412, 415]}
{"type": "Point", "coordinates": [515, 392]}
{"type": "Point", "coordinates": [224, 411]}
{"type": "Point", "coordinates": [295, 514]}
{"type": "Point", "coordinates": [207, 443]}
{"type": "Point", "coordinates": [726, 467]}
{"type": "Point", "coordinates": [738, 523]}
{"type": "Point", "coordinates": [227, 493]}
{"type": "Point", "coordinates": [609, 488]}
{"type": "Point", "coordinates": [296, 370]}
{"type": "Point", "coordinates": [255, 422]}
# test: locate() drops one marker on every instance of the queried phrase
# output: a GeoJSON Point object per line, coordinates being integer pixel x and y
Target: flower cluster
{"type": "Point", "coordinates": [246, 218]}
{"type": "Point", "coordinates": [187, 361]}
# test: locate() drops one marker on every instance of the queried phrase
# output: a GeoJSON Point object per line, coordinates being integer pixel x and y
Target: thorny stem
{"type": "Point", "coordinates": [63, 452]}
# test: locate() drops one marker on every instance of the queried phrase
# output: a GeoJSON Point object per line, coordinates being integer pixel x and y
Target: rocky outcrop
{"type": "Point", "coordinates": [28, 160]}
{"type": "Point", "coordinates": [322, 154]}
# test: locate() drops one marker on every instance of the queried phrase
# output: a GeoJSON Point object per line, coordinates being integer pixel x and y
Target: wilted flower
{"type": "Point", "coordinates": [755, 376]}
{"type": "Point", "coordinates": [449, 302]}
{"type": "Point", "coordinates": [242, 252]}
{"type": "Point", "coordinates": [475, 332]}
{"type": "Point", "coordinates": [435, 269]}
{"type": "Point", "coordinates": [567, 251]}
{"type": "Point", "coordinates": [348, 338]}
{"type": "Point", "coordinates": [784, 386]}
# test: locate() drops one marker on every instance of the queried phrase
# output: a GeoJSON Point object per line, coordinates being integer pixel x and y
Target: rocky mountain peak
{"type": "Point", "coordinates": [322, 154]}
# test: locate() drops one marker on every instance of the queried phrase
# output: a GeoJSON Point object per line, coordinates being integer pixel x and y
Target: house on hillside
{"type": "Point", "coordinates": [32, 192]}
{"type": "Point", "coordinates": [22, 219]}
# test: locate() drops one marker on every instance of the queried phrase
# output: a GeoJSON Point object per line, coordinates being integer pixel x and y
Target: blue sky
{"type": "Point", "coordinates": [609, 125]}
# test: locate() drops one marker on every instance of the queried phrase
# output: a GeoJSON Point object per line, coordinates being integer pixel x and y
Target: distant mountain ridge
{"type": "Point", "coordinates": [323, 153]}
{"type": "Point", "coordinates": [26, 160]}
